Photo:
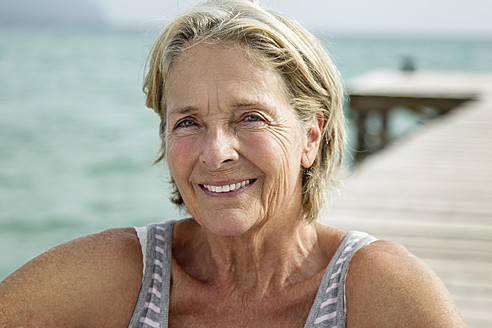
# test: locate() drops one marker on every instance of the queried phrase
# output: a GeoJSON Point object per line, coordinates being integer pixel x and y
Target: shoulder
{"type": "Point", "coordinates": [388, 286]}
{"type": "Point", "coordinates": [74, 283]}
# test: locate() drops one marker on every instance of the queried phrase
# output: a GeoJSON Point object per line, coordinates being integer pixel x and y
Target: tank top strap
{"type": "Point", "coordinates": [152, 305]}
{"type": "Point", "coordinates": [329, 309]}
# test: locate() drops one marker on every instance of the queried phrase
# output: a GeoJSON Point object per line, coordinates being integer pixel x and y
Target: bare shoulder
{"type": "Point", "coordinates": [90, 281]}
{"type": "Point", "coordinates": [387, 286]}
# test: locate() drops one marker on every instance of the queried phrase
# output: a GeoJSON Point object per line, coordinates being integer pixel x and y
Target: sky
{"type": "Point", "coordinates": [448, 18]}
{"type": "Point", "coordinates": [462, 18]}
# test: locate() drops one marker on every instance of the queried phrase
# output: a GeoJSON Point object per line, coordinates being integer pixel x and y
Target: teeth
{"type": "Point", "coordinates": [227, 188]}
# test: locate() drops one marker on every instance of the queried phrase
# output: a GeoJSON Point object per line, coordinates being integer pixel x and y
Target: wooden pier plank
{"type": "Point", "coordinates": [432, 192]}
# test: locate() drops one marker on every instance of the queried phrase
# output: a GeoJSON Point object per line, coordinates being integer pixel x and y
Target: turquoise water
{"type": "Point", "coordinates": [77, 143]}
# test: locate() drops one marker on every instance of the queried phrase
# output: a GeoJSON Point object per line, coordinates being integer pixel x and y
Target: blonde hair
{"type": "Point", "coordinates": [313, 82]}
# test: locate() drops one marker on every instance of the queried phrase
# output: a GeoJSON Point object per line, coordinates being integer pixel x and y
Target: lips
{"type": "Point", "coordinates": [228, 188]}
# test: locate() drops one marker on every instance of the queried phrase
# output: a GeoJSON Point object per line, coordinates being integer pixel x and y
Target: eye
{"type": "Point", "coordinates": [185, 123]}
{"type": "Point", "coordinates": [252, 118]}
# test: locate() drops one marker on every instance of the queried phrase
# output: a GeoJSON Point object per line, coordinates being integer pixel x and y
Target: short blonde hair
{"type": "Point", "coordinates": [313, 82]}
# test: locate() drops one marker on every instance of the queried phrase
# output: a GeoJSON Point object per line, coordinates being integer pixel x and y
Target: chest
{"type": "Point", "coordinates": [197, 308]}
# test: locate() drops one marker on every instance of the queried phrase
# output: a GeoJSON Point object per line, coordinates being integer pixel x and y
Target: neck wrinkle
{"type": "Point", "coordinates": [267, 260]}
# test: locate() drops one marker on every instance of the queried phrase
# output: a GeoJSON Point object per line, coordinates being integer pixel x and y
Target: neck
{"type": "Point", "coordinates": [268, 258]}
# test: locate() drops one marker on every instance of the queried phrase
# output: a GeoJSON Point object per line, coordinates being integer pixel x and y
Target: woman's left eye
{"type": "Point", "coordinates": [252, 118]}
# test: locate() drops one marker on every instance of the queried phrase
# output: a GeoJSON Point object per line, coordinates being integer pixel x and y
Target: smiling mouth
{"type": "Point", "coordinates": [228, 188]}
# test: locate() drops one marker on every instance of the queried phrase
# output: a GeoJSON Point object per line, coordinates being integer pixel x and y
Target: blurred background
{"type": "Point", "coordinates": [76, 141]}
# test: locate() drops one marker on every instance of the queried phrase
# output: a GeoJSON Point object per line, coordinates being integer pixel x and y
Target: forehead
{"type": "Point", "coordinates": [222, 71]}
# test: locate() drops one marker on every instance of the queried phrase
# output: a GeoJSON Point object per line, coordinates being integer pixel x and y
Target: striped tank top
{"type": "Point", "coordinates": [152, 308]}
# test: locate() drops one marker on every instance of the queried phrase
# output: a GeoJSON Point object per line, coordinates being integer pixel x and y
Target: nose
{"type": "Point", "coordinates": [219, 147]}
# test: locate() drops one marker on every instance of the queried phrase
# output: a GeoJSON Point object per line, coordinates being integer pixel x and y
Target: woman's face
{"type": "Point", "coordinates": [234, 145]}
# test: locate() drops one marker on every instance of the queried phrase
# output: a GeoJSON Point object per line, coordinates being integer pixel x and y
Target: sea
{"type": "Point", "coordinates": [77, 142]}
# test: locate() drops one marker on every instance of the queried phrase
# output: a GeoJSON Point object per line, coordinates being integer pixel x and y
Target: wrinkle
{"type": "Point", "coordinates": [250, 243]}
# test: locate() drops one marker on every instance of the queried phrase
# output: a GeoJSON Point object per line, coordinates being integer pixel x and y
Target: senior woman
{"type": "Point", "coordinates": [252, 132]}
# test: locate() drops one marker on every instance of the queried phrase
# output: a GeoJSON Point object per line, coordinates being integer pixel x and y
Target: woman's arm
{"type": "Point", "coordinates": [91, 281]}
{"type": "Point", "coordinates": [389, 287]}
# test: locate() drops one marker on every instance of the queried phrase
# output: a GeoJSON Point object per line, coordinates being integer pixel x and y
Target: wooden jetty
{"type": "Point", "coordinates": [432, 191]}
{"type": "Point", "coordinates": [433, 94]}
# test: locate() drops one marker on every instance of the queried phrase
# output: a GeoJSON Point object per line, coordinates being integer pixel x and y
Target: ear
{"type": "Point", "coordinates": [313, 139]}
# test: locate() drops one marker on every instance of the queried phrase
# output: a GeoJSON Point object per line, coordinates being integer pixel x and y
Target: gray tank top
{"type": "Point", "coordinates": [152, 308]}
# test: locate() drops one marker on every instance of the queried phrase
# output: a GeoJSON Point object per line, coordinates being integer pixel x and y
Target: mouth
{"type": "Point", "coordinates": [229, 187]}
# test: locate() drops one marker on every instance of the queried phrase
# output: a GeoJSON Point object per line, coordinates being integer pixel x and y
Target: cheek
{"type": "Point", "coordinates": [180, 157]}
{"type": "Point", "coordinates": [278, 154]}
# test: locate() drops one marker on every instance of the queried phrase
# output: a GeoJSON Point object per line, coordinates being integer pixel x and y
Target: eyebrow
{"type": "Point", "coordinates": [183, 110]}
{"type": "Point", "coordinates": [244, 104]}
{"type": "Point", "coordinates": [239, 105]}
